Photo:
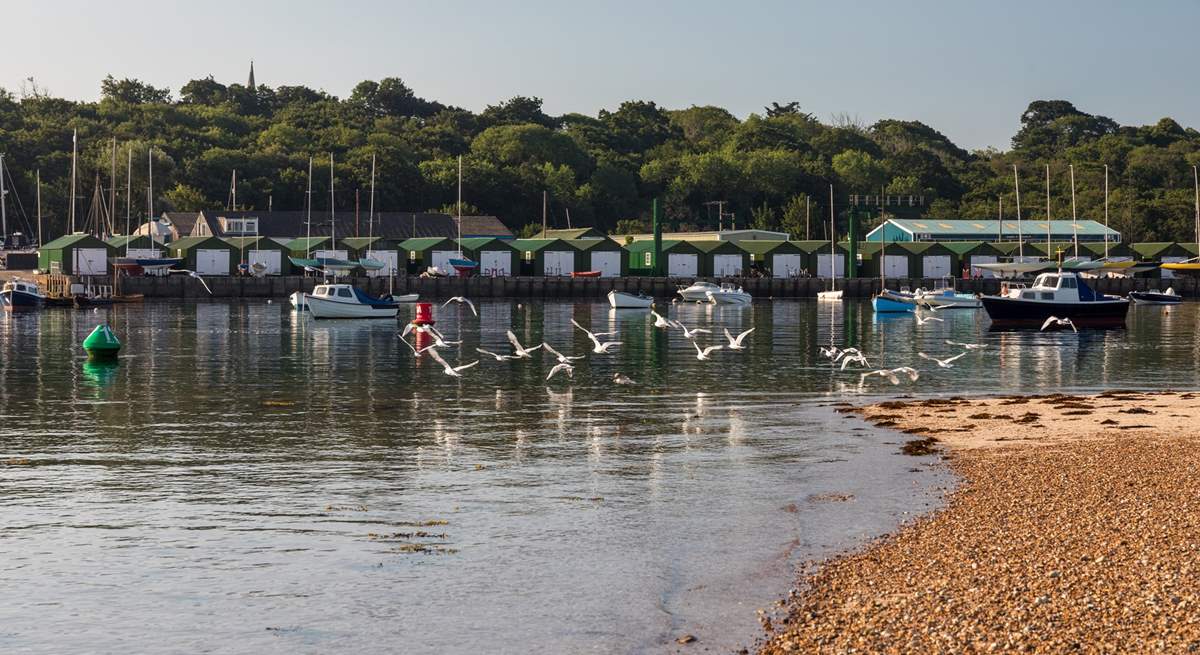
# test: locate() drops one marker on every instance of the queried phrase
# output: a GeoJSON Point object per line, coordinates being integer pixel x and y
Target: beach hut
{"type": "Point", "coordinates": [314, 247]}
{"type": "Point", "coordinates": [682, 258]}
{"type": "Point", "coordinates": [1117, 252]}
{"type": "Point", "coordinates": [206, 255]}
{"type": "Point", "coordinates": [775, 258]}
{"type": "Point", "coordinates": [269, 252]}
{"type": "Point", "coordinates": [380, 249]}
{"type": "Point", "coordinates": [820, 262]}
{"type": "Point", "coordinates": [136, 245]}
{"type": "Point", "coordinates": [1164, 252]}
{"type": "Point", "coordinates": [929, 260]}
{"type": "Point", "coordinates": [496, 257]}
{"type": "Point", "coordinates": [548, 257]}
{"type": "Point", "coordinates": [421, 253]}
{"type": "Point", "coordinates": [723, 259]}
{"type": "Point", "coordinates": [604, 255]}
{"type": "Point", "coordinates": [640, 255]}
{"type": "Point", "coordinates": [75, 254]}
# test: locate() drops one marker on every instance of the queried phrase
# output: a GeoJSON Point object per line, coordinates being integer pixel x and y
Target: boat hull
{"type": "Point", "coordinates": [623, 300]}
{"type": "Point", "coordinates": [1018, 313]}
{"type": "Point", "coordinates": [20, 300]}
{"type": "Point", "coordinates": [886, 305]}
{"type": "Point", "coordinates": [1151, 298]}
{"type": "Point", "coordinates": [322, 308]}
{"type": "Point", "coordinates": [729, 297]}
{"type": "Point", "coordinates": [1188, 269]}
{"type": "Point", "coordinates": [830, 296]}
{"type": "Point", "coordinates": [951, 301]}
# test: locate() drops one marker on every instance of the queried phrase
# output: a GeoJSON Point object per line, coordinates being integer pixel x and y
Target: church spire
{"type": "Point", "coordinates": [250, 83]}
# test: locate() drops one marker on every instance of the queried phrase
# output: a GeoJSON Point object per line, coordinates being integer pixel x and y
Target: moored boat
{"type": "Point", "coordinates": [946, 296]}
{"type": "Point", "coordinates": [894, 302]}
{"type": "Point", "coordinates": [729, 294]}
{"type": "Point", "coordinates": [1063, 295]}
{"type": "Point", "coordinates": [697, 291]}
{"type": "Point", "coordinates": [1168, 297]}
{"type": "Point", "coordinates": [18, 294]}
{"type": "Point", "coordinates": [586, 273]}
{"type": "Point", "coordinates": [345, 301]}
{"type": "Point", "coordinates": [626, 300]}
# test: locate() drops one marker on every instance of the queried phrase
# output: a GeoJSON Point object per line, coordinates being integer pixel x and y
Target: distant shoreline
{"type": "Point", "coordinates": [1074, 528]}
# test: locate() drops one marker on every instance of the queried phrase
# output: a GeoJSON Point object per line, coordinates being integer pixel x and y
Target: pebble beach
{"type": "Point", "coordinates": [1075, 528]}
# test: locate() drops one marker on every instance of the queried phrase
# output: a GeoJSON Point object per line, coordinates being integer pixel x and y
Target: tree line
{"type": "Point", "coordinates": [772, 170]}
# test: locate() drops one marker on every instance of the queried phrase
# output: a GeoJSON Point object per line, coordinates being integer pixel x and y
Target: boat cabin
{"type": "Point", "coordinates": [333, 291]}
{"type": "Point", "coordinates": [1053, 287]}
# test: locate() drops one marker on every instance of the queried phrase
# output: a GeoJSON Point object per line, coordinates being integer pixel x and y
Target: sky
{"type": "Point", "coordinates": [968, 69]}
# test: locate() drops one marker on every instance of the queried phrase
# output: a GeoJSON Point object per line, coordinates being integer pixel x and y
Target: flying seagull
{"type": "Point", "coordinates": [922, 320]}
{"type": "Point", "coordinates": [968, 346]}
{"type": "Point", "coordinates": [702, 355]}
{"type": "Point", "coordinates": [521, 351]}
{"type": "Point", "coordinates": [562, 359]}
{"type": "Point", "coordinates": [462, 299]}
{"type": "Point", "coordinates": [855, 358]}
{"type": "Point", "coordinates": [499, 357]}
{"type": "Point", "coordinates": [891, 375]}
{"type": "Point", "coordinates": [621, 378]}
{"type": "Point", "coordinates": [601, 347]}
{"type": "Point", "coordinates": [562, 366]}
{"type": "Point", "coordinates": [735, 343]}
{"type": "Point", "coordinates": [944, 363]}
{"type": "Point", "coordinates": [1055, 321]}
{"type": "Point", "coordinates": [452, 371]}
{"type": "Point", "coordinates": [660, 321]}
{"type": "Point", "coordinates": [690, 334]}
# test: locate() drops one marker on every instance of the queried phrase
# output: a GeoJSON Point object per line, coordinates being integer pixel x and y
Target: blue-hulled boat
{"type": "Point", "coordinates": [18, 294]}
{"type": "Point", "coordinates": [888, 301]}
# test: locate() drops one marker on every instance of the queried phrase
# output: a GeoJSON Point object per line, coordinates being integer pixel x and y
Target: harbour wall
{"type": "Point", "coordinates": [182, 286]}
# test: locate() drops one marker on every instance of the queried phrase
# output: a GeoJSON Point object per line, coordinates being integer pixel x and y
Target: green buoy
{"type": "Point", "coordinates": [102, 343]}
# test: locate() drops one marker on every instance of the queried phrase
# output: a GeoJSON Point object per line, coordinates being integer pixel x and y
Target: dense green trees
{"type": "Point", "coordinates": [773, 168]}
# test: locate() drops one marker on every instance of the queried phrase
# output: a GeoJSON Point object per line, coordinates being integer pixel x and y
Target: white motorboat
{"type": "Point", "coordinates": [626, 300]}
{"type": "Point", "coordinates": [345, 301]}
{"type": "Point", "coordinates": [21, 294]}
{"type": "Point", "coordinates": [946, 296]}
{"type": "Point", "coordinates": [729, 294]}
{"type": "Point", "coordinates": [697, 291]}
{"type": "Point", "coordinates": [408, 297]}
{"type": "Point", "coordinates": [1059, 295]}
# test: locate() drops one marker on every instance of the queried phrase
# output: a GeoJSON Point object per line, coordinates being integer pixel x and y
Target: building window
{"type": "Point", "coordinates": [649, 258]}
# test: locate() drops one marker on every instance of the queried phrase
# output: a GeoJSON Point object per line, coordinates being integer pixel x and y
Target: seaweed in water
{"type": "Point", "coordinates": [920, 447]}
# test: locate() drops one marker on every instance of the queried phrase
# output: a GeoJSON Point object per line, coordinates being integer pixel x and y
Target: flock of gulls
{"type": "Point", "coordinates": [562, 363]}
{"type": "Point", "coordinates": [841, 358]}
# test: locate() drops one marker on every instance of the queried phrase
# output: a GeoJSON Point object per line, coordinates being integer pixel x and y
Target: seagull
{"type": "Point", "coordinates": [922, 320]}
{"type": "Point", "coordinates": [831, 352]}
{"type": "Point", "coordinates": [439, 339]}
{"type": "Point", "coordinates": [562, 366]}
{"type": "Point", "coordinates": [735, 343]}
{"type": "Point", "coordinates": [944, 363]}
{"type": "Point", "coordinates": [620, 378]}
{"type": "Point", "coordinates": [891, 375]}
{"type": "Point", "coordinates": [660, 321]}
{"type": "Point", "coordinates": [462, 299]}
{"type": "Point", "coordinates": [413, 348]}
{"type": "Point", "coordinates": [521, 351]}
{"type": "Point", "coordinates": [601, 348]}
{"type": "Point", "coordinates": [1059, 322]}
{"type": "Point", "coordinates": [968, 346]}
{"type": "Point", "coordinates": [702, 355]}
{"type": "Point", "coordinates": [690, 334]}
{"type": "Point", "coordinates": [499, 357]}
{"type": "Point", "coordinates": [845, 353]}
{"type": "Point", "coordinates": [562, 359]}
{"type": "Point", "coordinates": [452, 371]}
{"type": "Point", "coordinates": [195, 275]}
{"type": "Point", "coordinates": [856, 358]}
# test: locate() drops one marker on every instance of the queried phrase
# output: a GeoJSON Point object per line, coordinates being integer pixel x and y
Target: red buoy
{"type": "Point", "coordinates": [424, 314]}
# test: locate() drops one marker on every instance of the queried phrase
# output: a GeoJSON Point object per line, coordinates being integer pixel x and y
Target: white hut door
{"type": "Point", "coordinates": [727, 265]}
{"type": "Point", "coordinates": [495, 262]}
{"type": "Point", "coordinates": [608, 263]}
{"type": "Point", "coordinates": [682, 265]}
{"type": "Point", "coordinates": [937, 265]}
{"type": "Point", "coordinates": [786, 265]}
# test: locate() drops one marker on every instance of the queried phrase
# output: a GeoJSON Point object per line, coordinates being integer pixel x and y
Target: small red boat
{"type": "Point", "coordinates": [586, 274]}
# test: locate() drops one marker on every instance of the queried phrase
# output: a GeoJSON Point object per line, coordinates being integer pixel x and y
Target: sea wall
{"type": "Point", "coordinates": [182, 286]}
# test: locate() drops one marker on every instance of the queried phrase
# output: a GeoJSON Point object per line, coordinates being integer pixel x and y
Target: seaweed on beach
{"type": "Point", "coordinates": [1028, 417]}
{"type": "Point", "coordinates": [1135, 410]}
{"type": "Point", "coordinates": [920, 447]}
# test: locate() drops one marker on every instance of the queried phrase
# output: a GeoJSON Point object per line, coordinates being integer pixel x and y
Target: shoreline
{"type": "Point", "coordinates": [1074, 526]}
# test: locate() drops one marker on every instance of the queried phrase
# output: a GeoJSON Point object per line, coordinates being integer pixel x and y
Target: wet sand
{"type": "Point", "coordinates": [1076, 528]}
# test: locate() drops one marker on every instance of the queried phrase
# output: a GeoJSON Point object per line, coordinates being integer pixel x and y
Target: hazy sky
{"type": "Point", "coordinates": [966, 68]}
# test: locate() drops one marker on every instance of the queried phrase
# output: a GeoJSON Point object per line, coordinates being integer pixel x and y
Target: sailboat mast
{"type": "Point", "coordinates": [1020, 237]}
{"type": "Point", "coordinates": [832, 244]}
{"type": "Point", "coordinates": [371, 206]}
{"type": "Point", "coordinates": [3, 205]}
{"type": "Point", "coordinates": [150, 196]}
{"type": "Point", "coordinates": [459, 210]}
{"type": "Point", "coordinates": [112, 191]}
{"type": "Point", "coordinates": [129, 196]}
{"type": "Point", "coordinates": [308, 214]}
{"type": "Point", "coordinates": [1000, 218]}
{"type": "Point", "coordinates": [38, 175]}
{"type": "Point", "coordinates": [1106, 212]}
{"type": "Point", "coordinates": [1074, 223]}
{"type": "Point", "coordinates": [332, 213]}
{"type": "Point", "coordinates": [1047, 210]}
{"type": "Point", "coordinates": [74, 148]}
{"type": "Point", "coordinates": [545, 203]}
{"type": "Point", "coordinates": [1196, 181]}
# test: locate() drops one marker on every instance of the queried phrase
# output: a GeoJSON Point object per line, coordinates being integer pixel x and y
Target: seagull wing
{"type": "Point", "coordinates": [408, 327]}
{"type": "Point", "coordinates": [465, 366]}
{"type": "Point", "coordinates": [550, 349]}
{"type": "Point", "coordinates": [448, 302]}
{"type": "Point", "coordinates": [743, 335]}
{"type": "Point", "coordinates": [471, 305]}
{"type": "Point", "coordinates": [711, 348]}
{"type": "Point", "coordinates": [699, 330]}
{"type": "Point", "coordinates": [1050, 321]}
{"type": "Point", "coordinates": [732, 342]}
{"type": "Point", "coordinates": [512, 338]}
{"type": "Point", "coordinates": [947, 361]}
{"type": "Point", "coordinates": [589, 332]}
{"type": "Point", "coordinates": [438, 358]}
{"type": "Point", "coordinates": [498, 357]}
{"type": "Point", "coordinates": [924, 356]}
{"type": "Point", "coordinates": [1072, 324]}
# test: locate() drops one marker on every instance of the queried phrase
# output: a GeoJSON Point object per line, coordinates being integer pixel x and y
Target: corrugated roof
{"type": "Point", "coordinates": [987, 229]}
{"type": "Point", "coordinates": [191, 242]}
{"type": "Point", "coordinates": [576, 233]}
{"type": "Point", "coordinates": [534, 245]}
{"type": "Point", "coordinates": [358, 243]}
{"type": "Point", "coordinates": [491, 243]}
{"type": "Point", "coordinates": [423, 243]}
{"type": "Point", "coordinates": [67, 240]}
{"type": "Point", "coordinates": [592, 244]}
{"type": "Point", "coordinates": [485, 226]}
{"type": "Point", "coordinates": [306, 243]}
{"type": "Point", "coordinates": [759, 247]}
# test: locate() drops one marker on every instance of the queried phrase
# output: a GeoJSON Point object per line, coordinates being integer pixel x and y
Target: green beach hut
{"type": "Point", "coordinates": [269, 252]}
{"type": "Point", "coordinates": [547, 257]}
{"type": "Point", "coordinates": [76, 254]}
{"type": "Point", "coordinates": [496, 257]}
{"type": "Point", "coordinates": [775, 258]}
{"type": "Point", "coordinates": [206, 255]}
{"type": "Point", "coordinates": [604, 255]}
{"type": "Point", "coordinates": [723, 259]}
{"type": "Point", "coordinates": [419, 254]}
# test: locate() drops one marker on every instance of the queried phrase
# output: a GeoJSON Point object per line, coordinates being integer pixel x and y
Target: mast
{"type": "Point", "coordinates": [545, 201]}
{"type": "Point", "coordinates": [1000, 218]}
{"type": "Point", "coordinates": [459, 210]}
{"type": "Point", "coordinates": [112, 191]}
{"type": "Point", "coordinates": [332, 213]}
{"type": "Point", "coordinates": [308, 214]}
{"type": "Point", "coordinates": [807, 216]}
{"type": "Point", "coordinates": [1020, 238]}
{"type": "Point", "coordinates": [1047, 211]}
{"type": "Point", "coordinates": [371, 207]}
{"type": "Point", "coordinates": [39, 206]}
{"type": "Point", "coordinates": [1106, 212]}
{"type": "Point", "coordinates": [832, 244]}
{"type": "Point", "coordinates": [74, 148]}
{"type": "Point", "coordinates": [150, 196]}
{"type": "Point", "coordinates": [1074, 223]}
{"type": "Point", "coordinates": [3, 205]}
{"type": "Point", "coordinates": [129, 197]}
{"type": "Point", "coordinates": [1196, 181]}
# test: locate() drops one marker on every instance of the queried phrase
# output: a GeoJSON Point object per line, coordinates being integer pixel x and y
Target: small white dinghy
{"type": "Point", "coordinates": [344, 301]}
{"type": "Point", "coordinates": [697, 291]}
{"type": "Point", "coordinates": [729, 294]}
{"type": "Point", "coordinates": [297, 300]}
{"type": "Point", "coordinates": [626, 300]}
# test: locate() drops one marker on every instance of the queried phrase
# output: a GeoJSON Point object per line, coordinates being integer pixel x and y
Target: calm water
{"type": "Point", "coordinates": [247, 480]}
